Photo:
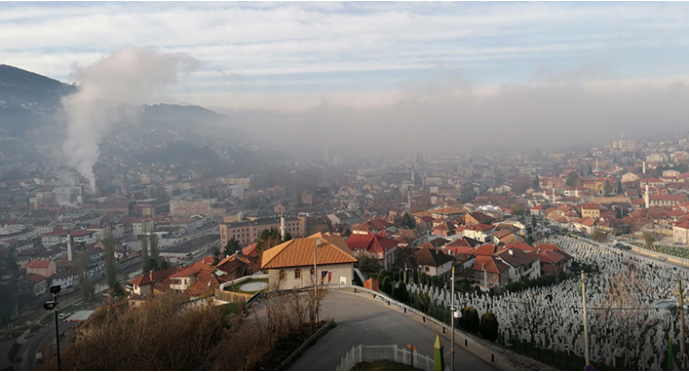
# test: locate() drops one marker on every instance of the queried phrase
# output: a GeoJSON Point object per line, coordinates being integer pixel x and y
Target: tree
{"type": "Point", "coordinates": [386, 286]}
{"type": "Point", "coordinates": [599, 236]}
{"type": "Point", "coordinates": [215, 252]}
{"type": "Point", "coordinates": [267, 239]}
{"type": "Point", "coordinates": [620, 190]}
{"type": "Point", "coordinates": [232, 246]}
{"type": "Point", "coordinates": [608, 188]}
{"type": "Point", "coordinates": [85, 285]}
{"type": "Point", "coordinates": [489, 326]}
{"type": "Point", "coordinates": [110, 263]}
{"type": "Point", "coordinates": [154, 250]}
{"type": "Point", "coordinates": [573, 179]}
{"type": "Point", "coordinates": [407, 222]}
{"type": "Point", "coordinates": [368, 265]}
{"type": "Point", "coordinates": [536, 183]}
{"type": "Point", "coordinates": [589, 171]}
{"type": "Point", "coordinates": [145, 261]}
{"type": "Point", "coordinates": [470, 321]}
{"type": "Point", "coordinates": [401, 293]}
{"type": "Point", "coordinates": [648, 240]}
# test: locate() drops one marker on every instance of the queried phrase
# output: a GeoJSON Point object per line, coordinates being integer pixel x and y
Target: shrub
{"type": "Point", "coordinates": [489, 326]}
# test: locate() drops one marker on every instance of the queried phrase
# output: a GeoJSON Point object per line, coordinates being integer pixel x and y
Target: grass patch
{"type": "Point", "coordinates": [237, 287]}
{"type": "Point", "coordinates": [383, 365]}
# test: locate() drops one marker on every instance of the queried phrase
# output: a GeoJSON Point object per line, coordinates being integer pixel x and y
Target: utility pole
{"type": "Point", "coordinates": [315, 279]}
{"type": "Point", "coordinates": [681, 315]}
{"type": "Point", "coordinates": [586, 328]}
{"type": "Point", "coordinates": [452, 322]}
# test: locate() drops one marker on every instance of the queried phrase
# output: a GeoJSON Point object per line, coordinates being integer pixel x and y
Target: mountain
{"type": "Point", "coordinates": [31, 101]}
{"type": "Point", "coordinates": [28, 100]}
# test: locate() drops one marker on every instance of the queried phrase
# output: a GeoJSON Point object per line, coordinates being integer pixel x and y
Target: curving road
{"type": "Point", "coordinates": [361, 320]}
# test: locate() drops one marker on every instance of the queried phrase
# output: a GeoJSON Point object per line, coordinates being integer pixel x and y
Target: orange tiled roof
{"type": "Point", "coordinates": [299, 252]}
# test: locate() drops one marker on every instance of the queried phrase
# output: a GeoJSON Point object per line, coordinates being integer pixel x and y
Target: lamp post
{"type": "Point", "coordinates": [453, 314]}
{"type": "Point", "coordinates": [52, 305]}
{"type": "Point", "coordinates": [315, 278]}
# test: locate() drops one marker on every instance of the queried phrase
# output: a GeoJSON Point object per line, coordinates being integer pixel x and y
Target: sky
{"type": "Point", "coordinates": [480, 63]}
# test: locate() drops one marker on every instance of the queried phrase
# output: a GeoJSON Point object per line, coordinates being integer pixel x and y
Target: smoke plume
{"type": "Point", "coordinates": [109, 92]}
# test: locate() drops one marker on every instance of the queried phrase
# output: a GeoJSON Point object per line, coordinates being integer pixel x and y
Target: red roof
{"type": "Point", "coordinates": [35, 278]}
{"type": "Point", "coordinates": [485, 250]}
{"type": "Point", "coordinates": [38, 264]}
{"type": "Point", "coordinates": [490, 265]}
{"type": "Point", "coordinates": [480, 227]}
{"type": "Point", "coordinates": [371, 243]}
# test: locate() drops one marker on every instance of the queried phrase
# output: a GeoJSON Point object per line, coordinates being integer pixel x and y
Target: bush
{"type": "Point", "coordinates": [489, 326]}
{"type": "Point", "coordinates": [470, 321]}
{"type": "Point", "coordinates": [401, 293]}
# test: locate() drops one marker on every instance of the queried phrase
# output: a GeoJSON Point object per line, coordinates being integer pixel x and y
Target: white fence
{"type": "Point", "coordinates": [374, 353]}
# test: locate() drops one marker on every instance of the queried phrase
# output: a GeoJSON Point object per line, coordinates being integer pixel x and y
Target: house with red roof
{"type": "Point", "coordinates": [522, 264]}
{"type": "Point", "coordinates": [144, 284]}
{"type": "Point", "coordinates": [489, 272]}
{"type": "Point", "coordinates": [382, 249]}
{"type": "Point", "coordinates": [44, 268]}
{"type": "Point", "coordinates": [40, 283]}
{"type": "Point", "coordinates": [680, 233]}
{"type": "Point", "coordinates": [481, 232]}
{"type": "Point", "coordinates": [371, 227]}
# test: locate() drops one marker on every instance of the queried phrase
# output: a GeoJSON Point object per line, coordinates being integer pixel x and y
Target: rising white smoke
{"type": "Point", "coordinates": [109, 92]}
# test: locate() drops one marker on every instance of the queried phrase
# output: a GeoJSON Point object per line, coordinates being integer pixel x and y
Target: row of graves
{"type": "Point", "coordinates": [628, 322]}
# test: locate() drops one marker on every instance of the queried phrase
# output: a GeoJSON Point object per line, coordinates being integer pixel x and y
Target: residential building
{"type": "Point", "coordinates": [680, 233]}
{"type": "Point", "coordinates": [382, 249]}
{"type": "Point", "coordinates": [590, 210]}
{"type": "Point", "coordinates": [523, 265]}
{"type": "Point", "coordinates": [45, 268]}
{"type": "Point", "coordinates": [433, 262]}
{"type": "Point", "coordinates": [290, 264]}
{"type": "Point", "coordinates": [40, 284]}
{"type": "Point", "coordinates": [489, 272]}
{"type": "Point", "coordinates": [481, 232]}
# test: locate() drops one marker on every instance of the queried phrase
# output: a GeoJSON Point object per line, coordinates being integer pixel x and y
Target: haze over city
{"type": "Point", "coordinates": [403, 71]}
{"type": "Point", "coordinates": [322, 186]}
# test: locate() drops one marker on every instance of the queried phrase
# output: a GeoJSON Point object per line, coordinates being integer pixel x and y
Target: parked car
{"type": "Point", "coordinates": [39, 357]}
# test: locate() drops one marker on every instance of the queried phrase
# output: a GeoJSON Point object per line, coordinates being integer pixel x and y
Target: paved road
{"type": "Point", "coordinates": [37, 343]}
{"type": "Point", "coordinates": [361, 320]}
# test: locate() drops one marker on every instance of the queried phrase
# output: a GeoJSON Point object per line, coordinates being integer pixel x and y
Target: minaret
{"type": "Point", "coordinates": [69, 247]}
{"type": "Point", "coordinates": [647, 198]}
{"type": "Point", "coordinates": [597, 165]}
{"type": "Point", "coordinates": [409, 197]}
{"type": "Point", "coordinates": [644, 168]}
{"type": "Point", "coordinates": [282, 226]}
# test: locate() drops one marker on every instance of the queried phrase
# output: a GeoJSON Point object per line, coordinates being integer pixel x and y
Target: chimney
{"type": "Point", "coordinates": [282, 226]}
{"type": "Point", "coordinates": [511, 252]}
{"type": "Point", "coordinates": [69, 246]}
{"type": "Point", "coordinates": [150, 275]}
{"type": "Point", "coordinates": [647, 198]}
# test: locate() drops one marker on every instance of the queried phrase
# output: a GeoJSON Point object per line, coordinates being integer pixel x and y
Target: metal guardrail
{"type": "Point", "coordinates": [306, 343]}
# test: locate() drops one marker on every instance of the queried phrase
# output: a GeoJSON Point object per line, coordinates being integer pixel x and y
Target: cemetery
{"type": "Point", "coordinates": [631, 309]}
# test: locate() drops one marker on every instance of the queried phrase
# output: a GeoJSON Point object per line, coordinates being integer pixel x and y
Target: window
{"type": "Point", "coordinates": [297, 274]}
{"type": "Point", "coordinates": [282, 275]}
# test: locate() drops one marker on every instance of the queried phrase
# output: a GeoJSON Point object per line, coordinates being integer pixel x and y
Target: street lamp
{"type": "Point", "coordinates": [315, 279]}
{"type": "Point", "coordinates": [52, 305]}
{"type": "Point", "coordinates": [453, 315]}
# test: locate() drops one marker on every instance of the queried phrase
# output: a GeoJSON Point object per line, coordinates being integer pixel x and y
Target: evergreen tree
{"type": "Point", "coordinates": [573, 179]}
{"type": "Point", "coordinates": [232, 246]}
{"type": "Point", "coordinates": [401, 293]}
{"type": "Point", "coordinates": [110, 263]}
{"type": "Point", "coordinates": [408, 222]}
{"type": "Point", "coordinates": [470, 321]}
{"type": "Point", "coordinates": [489, 326]}
{"type": "Point", "coordinates": [85, 285]}
{"type": "Point", "coordinates": [145, 262]}
{"type": "Point", "coordinates": [537, 183]}
{"type": "Point", "coordinates": [619, 186]}
{"type": "Point", "coordinates": [154, 250]}
{"type": "Point", "coordinates": [608, 188]}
